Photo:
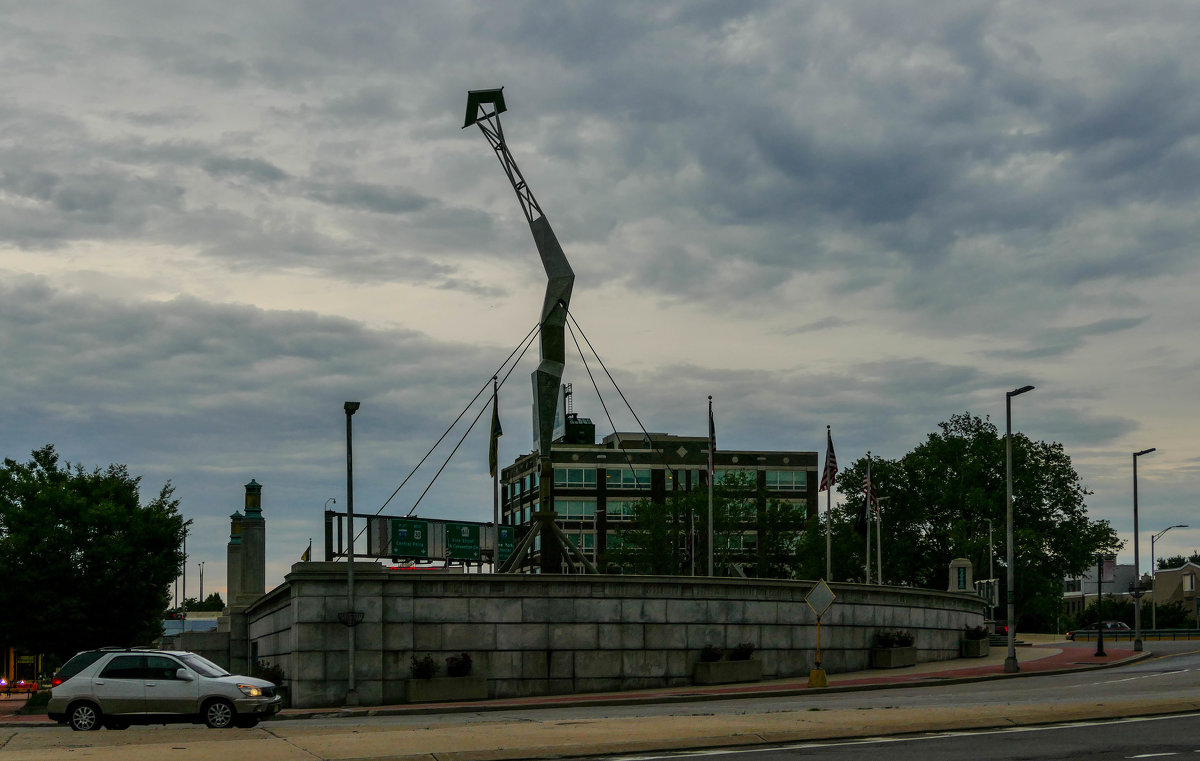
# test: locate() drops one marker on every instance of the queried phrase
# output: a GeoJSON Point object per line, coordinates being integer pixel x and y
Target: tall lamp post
{"type": "Point", "coordinates": [1010, 662]}
{"type": "Point", "coordinates": [1137, 567]}
{"type": "Point", "coordinates": [351, 616]}
{"type": "Point", "coordinates": [201, 564]}
{"type": "Point", "coordinates": [991, 570]}
{"type": "Point", "coordinates": [1154, 575]}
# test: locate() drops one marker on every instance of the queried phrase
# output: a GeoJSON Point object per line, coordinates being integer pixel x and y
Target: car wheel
{"type": "Point", "coordinates": [219, 714]}
{"type": "Point", "coordinates": [246, 722]}
{"type": "Point", "coordinates": [84, 717]}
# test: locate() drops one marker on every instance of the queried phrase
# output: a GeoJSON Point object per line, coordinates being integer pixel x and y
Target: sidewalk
{"type": "Point", "coordinates": [1052, 657]}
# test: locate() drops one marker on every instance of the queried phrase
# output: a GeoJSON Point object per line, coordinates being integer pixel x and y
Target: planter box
{"type": "Point", "coordinates": [975, 648]}
{"type": "Point", "coordinates": [444, 688]}
{"type": "Point", "coordinates": [893, 657]}
{"type": "Point", "coordinates": [726, 672]}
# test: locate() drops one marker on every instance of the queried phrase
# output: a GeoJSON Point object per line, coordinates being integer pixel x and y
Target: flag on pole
{"type": "Point", "coordinates": [307, 554]}
{"type": "Point", "coordinates": [864, 515]}
{"type": "Point", "coordinates": [497, 432]}
{"type": "Point", "coordinates": [830, 473]}
{"type": "Point", "coordinates": [712, 442]}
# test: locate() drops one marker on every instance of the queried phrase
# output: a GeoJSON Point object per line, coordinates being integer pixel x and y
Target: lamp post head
{"type": "Point", "coordinates": [1020, 390]}
{"type": "Point", "coordinates": [351, 407]}
{"type": "Point", "coordinates": [1145, 451]}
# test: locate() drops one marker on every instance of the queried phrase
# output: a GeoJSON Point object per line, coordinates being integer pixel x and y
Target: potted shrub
{"type": "Point", "coordinates": [974, 643]}
{"type": "Point", "coordinates": [737, 665]}
{"type": "Point", "coordinates": [458, 684]}
{"type": "Point", "coordinates": [893, 648]}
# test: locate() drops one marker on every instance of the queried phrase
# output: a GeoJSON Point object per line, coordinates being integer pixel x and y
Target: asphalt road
{"type": "Point", "coordinates": [1167, 683]}
{"type": "Point", "coordinates": [1094, 741]}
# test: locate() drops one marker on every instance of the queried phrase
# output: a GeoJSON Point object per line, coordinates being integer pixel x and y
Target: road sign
{"type": "Point", "coordinates": [506, 542]}
{"type": "Point", "coordinates": [462, 541]}
{"type": "Point", "coordinates": [820, 598]}
{"type": "Point", "coordinates": [410, 538]}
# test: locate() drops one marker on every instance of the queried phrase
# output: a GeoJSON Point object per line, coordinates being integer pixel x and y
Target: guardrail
{"type": "Point", "coordinates": [1147, 634]}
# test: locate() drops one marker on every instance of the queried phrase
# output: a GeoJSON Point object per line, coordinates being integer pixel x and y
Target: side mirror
{"type": "Point", "coordinates": [183, 675]}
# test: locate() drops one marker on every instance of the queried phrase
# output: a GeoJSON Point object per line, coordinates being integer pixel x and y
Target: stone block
{"type": "Point", "coordinates": [796, 614]}
{"type": "Point", "coordinates": [308, 666]}
{"type": "Point", "coordinates": [447, 688]}
{"type": "Point", "coordinates": [644, 611]}
{"type": "Point", "coordinates": [562, 666]}
{"type": "Point", "coordinates": [522, 636]}
{"type": "Point", "coordinates": [597, 665]}
{"type": "Point", "coordinates": [644, 665]}
{"type": "Point", "coordinates": [687, 611]}
{"type": "Point", "coordinates": [468, 636]}
{"type": "Point", "coordinates": [597, 685]}
{"type": "Point", "coordinates": [398, 636]}
{"type": "Point", "coordinates": [547, 610]}
{"type": "Point", "coordinates": [574, 636]}
{"type": "Point", "coordinates": [535, 665]}
{"type": "Point", "coordinates": [727, 611]}
{"type": "Point", "coordinates": [762, 612]}
{"type": "Point", "coordinates": [502, 665]}
{"type": "Point", "coordinates": [774, 638]}
{"type": "Point", "coordinates": [622, 636]}
{"type": "Point", "coordinates": [679, 665]}
{"type": "Point", "coordinates": [440, 610]}
{"type": "Point", "coordinates": [494, 611]}
{"type": "Point", "coordinates": [427, 636]}
{"type": "Point", "coordinates": [699, 635]}
{"type": "Point", "coordinates": [665, 637]}
{"type": "Point", "coordinates": [398, 609]}
{"type": "Point", "coordinates": [598, 611]}
{"type": "Point", "coordinates": [728, 672]}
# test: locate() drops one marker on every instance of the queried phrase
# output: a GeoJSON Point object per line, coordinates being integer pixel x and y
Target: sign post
{"type": "Point", "coordinates": [410, 538]}
{"type": "Point", "coordinates": [462, 541]}
{"type": "Point", "coordinates": [819, 599]}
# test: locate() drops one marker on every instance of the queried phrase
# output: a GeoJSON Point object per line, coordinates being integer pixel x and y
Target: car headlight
{"type": "Point", "coordinates": [250, 690]}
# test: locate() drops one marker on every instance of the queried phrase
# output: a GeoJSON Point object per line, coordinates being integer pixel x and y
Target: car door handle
{"type": "Point", "coordinates": [151, 684]}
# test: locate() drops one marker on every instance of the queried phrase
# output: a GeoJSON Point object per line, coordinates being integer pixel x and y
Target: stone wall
{"type": "Point", "coordinates": [541, 635]}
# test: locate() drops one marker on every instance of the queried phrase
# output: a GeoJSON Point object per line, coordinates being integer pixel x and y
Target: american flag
{"type": "Point", "coordinates": [712, 441]}
{"type": "Point", "coordinates": [869, 490]}
{"type": "Point", "coordinates": [830, 472]}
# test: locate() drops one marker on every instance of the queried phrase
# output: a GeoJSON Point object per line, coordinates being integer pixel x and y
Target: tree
{"type": "Point", "coordinates": [84, 563]}
{"type": "Point", "coordinates": [938, 497]}
{"type": "Point", "coordinates": [1176, 561]}
{"type": "Point", "coordinates": [759, 535]}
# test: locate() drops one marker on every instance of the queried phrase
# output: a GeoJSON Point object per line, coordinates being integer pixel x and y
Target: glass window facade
{"type": "Point", "coordinates": [575, 509]}
{"type": "Point", "coordinates": [575, 478]}
{"type": "Point", "coordinates": [787, 480]}
{"type": "Point", "coordinates": [625, 478]}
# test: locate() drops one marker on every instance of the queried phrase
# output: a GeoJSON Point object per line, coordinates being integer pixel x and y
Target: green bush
{"type": "Point", "coordinates": [458, 665]}
{"type": "Point", "coordinates": [710, 654]}
{"type": "Point", "coordinates": [741, 651]}
{"type": "Point", "coordinates": [268, 671]}
{"type": "Point", "coordinates": [893, 638]}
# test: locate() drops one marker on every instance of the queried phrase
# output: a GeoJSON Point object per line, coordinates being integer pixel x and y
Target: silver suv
{"type": "Point", "coordinates": [144, 686]}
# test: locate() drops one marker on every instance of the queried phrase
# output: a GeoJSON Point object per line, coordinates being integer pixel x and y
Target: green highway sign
{"type": "Point", "coordinates": [462, 541]}
{"type": "Point", "coordinates": [410, 538]}
{"type": "Point", "coordinates": [506, 542]}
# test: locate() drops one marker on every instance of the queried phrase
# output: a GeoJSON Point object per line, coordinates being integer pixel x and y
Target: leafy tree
{"type": "Point", "coordinates": [1177, 560]}
{"type": "Point", "coordinates": [657, 542]}
{"type": "Point", "coordinates": [84, 563]}
{"type": "Point", "coordinates": [935, 502]}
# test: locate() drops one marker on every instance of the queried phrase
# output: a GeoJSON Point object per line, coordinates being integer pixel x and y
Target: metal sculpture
{"type": "Point", "coordinates": [483, 109]}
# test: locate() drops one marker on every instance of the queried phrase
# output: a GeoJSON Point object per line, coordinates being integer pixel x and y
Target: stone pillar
{"type": "Point", "coordinates": [254, 544]}
{"type": "Point", "coordinates": [233, 561]}
{"type": "Point", "coordinates": [960, 576]}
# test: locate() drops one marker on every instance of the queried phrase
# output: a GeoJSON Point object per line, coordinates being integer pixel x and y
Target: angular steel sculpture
{"type": "Point", "coordinates": [483, 109]}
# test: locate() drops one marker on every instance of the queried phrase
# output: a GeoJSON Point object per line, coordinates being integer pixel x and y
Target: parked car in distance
{"type": "Point", "coordinates": [1116, 627]}
{"type": "Point", "coordinates": [116, 688]}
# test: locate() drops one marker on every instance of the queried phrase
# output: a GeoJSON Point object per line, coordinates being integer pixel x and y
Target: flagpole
{"type": "Point", "coordinates": [867, 507]}
{"type": "Point", "coordinates": [712, 473]}
{"type": "Point", "coordinates": [828, 478]}
{"type": "Point", "coordinates": [495, 480]}
{"type": "Point", "coordinates": [878, 545]}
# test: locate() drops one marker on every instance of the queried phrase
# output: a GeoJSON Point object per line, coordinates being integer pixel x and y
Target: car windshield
{"type": "Point", "coordinates": [203, 666]}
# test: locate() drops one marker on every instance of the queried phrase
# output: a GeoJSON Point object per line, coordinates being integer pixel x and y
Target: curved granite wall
{"type": "Point", "coordinates": [540, 635]}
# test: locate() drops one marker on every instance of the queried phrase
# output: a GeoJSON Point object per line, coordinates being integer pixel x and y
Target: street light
{"type": "Point", "coordinates": [201, 564]}
{"type": "Point", "coordinates": [351, 691]}
{"type": "Point", "coordinates": [1010, 662]}
{"type": "Point", "coordinates": [1137, 568]}
{"type": "Point", "coordinates": [991, 570]}
{"type": "Point", "coordinates": [1154, 575]}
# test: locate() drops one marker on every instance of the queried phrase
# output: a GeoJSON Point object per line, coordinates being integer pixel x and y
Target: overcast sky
{"type": "Point", "coordinates": [220, 221]}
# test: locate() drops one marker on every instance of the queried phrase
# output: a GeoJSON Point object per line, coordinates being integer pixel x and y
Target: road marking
{"type": "Point", "coordinates": [907, 738]}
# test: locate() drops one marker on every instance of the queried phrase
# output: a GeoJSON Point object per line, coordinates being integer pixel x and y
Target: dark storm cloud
{"type": "Point", "coordinates": [1057, 342]}
{"type": "Point", "coordinates": [369, 197]}
{"type": "Point", "coordinates": [251, 169]}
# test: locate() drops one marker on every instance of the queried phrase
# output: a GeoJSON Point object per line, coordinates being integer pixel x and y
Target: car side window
{"type": "Point", "coordinates": [124, 667]}
{"type": "Point", "coordinates": [161, 667]}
